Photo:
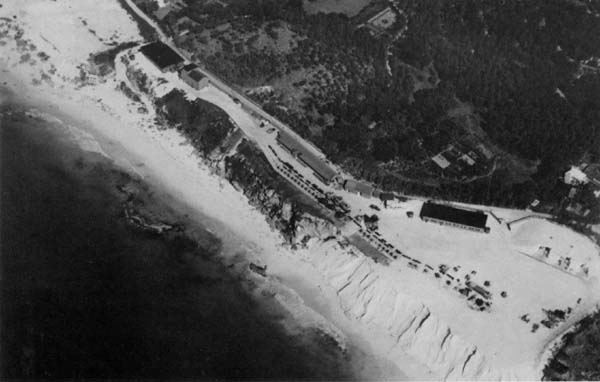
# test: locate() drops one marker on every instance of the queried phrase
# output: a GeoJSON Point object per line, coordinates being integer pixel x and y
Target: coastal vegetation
{"type": "Point", "coordinates": [207, 128]}
{"type": "Point", "coordinates": [516, 85]}
{"type": "Point", "coordinates": [278, 200]}
{"type": "Point", "coordinates": [203, 123]}
{"type": "Point", "coordinates": [515, 78]}
{"type": "Point", "coordinates": [578, 357]}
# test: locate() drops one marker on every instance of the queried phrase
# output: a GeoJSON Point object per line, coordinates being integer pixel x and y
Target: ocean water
{"type": "Point", "coordinates": [86, 296]}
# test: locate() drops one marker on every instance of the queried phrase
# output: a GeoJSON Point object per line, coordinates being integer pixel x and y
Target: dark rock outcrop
{"type": "Point", "coordinates": [285, 207]}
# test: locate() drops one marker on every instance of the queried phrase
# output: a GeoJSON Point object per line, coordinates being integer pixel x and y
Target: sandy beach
{"type": "Point", "coordinates": [164, 304]}
{"type": "Point", "coordinates": [97, 118]}
{"type": "Point", "coordinates": [165, 161]}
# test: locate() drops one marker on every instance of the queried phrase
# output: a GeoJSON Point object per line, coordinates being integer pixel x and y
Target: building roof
{"type": "Point", "coordinates": [575, 175]}
{"type": "Point", "coordinates": [485, 151]}
{"type": "Point", "coordinates": [383, 19]}
{"type": "Point", "coordinates": [190, 67]}
{"type": "Point", "coordinates": [441, 161]}
{"type": "Point", "coordinates": [454, 215]}
{"type": "Point", "coordinates": [352, 185]}
{"type": "Point", "coordinates": [368, 249]}
{"type": "Point", "coordinates": [593, 171]}
{"type": "Point", "coordinates": [318, 165]}
{"type": "Point", "coordinates": [467, 159]}
{"type": "Point", "coordinates": [370, 11]}
{"type": "Point", "coordinates": [161, 55]}
{"type": "Point", "coordinates": [387, 196]}
{"type": "Point", "coordinates": [171, 6]}
{"type": "Point", "coordinates": [196, 75]}
{"type": "Point", "coordinates": [161, 13]}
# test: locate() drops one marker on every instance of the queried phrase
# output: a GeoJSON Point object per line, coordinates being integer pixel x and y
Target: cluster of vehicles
{"type": "Point", "coordinates": [329, 200]}
{"type": "Point", "coordinates": [335, 203]}
{"type": "Point", "coordinates": [479, 300]}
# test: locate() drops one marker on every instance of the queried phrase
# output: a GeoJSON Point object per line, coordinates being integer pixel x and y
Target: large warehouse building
{"type": "Point", "coordinates": [162, 56]}
{"type": "Point", "coordinates": [455, 217]}
{"type": "Point", "coordinates": [319, 166]}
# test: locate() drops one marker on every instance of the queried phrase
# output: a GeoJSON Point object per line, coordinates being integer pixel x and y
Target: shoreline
{"type": "Point", "coordinates": [106, 130]}
{"type": "Point", "coordinates": [158, 205]}
{"type": "Point", "coordinates": [133, 159]}
{"type": "Point", "coordinates": [233, 244]}
{"type": "Point", "coordinates": [176, 278]}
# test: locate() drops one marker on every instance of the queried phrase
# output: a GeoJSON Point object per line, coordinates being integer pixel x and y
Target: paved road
{"type": "Point", "coordinates": [246, 102]}
{"type": "Point", "coordinates": [380, 244]}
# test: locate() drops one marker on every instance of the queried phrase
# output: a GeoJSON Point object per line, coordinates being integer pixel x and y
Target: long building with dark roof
{"type": "Point", "coordinates": [162, 56]}
{"type": "Point", "coordinates": [455, 217]}
{"type": "Point", "coordinates": [319, 166]}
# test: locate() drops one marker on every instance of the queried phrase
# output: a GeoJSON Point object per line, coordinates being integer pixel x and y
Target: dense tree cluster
{"type": "Point", "coordinates": [578, 358]}
{"type": "Point", "coordinates": [519, 64]}
{"type": "Point", "coordinates": [203, 123]}
{"type": "Point", "coordinates": [525, 69]}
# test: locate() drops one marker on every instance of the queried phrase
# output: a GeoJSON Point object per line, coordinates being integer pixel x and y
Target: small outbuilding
{"type": "Point", "coordinates": [191, 75]}
{"type": "Point", "coordinates": [441, 161]}
{"type": "Point", "coordinates": [320, 168]}
{"type": "Point", "coordinates": [358, 188]}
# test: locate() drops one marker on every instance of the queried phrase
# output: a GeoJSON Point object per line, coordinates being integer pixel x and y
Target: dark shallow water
{"type": "Point", "coordinates": [86, 296]}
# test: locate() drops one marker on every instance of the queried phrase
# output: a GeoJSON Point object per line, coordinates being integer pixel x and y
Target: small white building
{"type": "Point", "coordinates": [381, 21]}
{"type": "Point", "coordinates": [485, 151]}
{"type": "Point", "coordinates": [358, 188]}
{"type": "Point", "coordinates": [166, 7]}
{"type": "Point", "coordinates": [441, 161]}
{"type": "Point", "coordinates": [576, 177]}
{"type": "Point", "coordinates": [467, 159]}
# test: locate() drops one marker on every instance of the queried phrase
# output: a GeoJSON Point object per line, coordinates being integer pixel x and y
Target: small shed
{"type": "Point", "coordinates": [191, 75]}
{"type": "Point", "coordinates": [441, 161]}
